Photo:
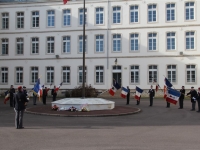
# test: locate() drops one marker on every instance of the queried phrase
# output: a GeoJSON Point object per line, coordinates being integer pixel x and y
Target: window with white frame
{"type": "Point", "coordinates": [134, 42]}
{"type": "Point", "coordinates": [5, 20]}
{"type": "Point", "coordinates": [170, 8]}
{"type": "Point", "coordinates": [4, 46]}
{"type": "Point", "coordinates": [152, 39]}
{"type": "Point", "coordinates": [80, 74]}
{"type": "Point", "coordinates": [66, 17]}
{"type": "Point", "coordinates": [35, 19]}
{"type": "Point", "coordinates": [171, 73]}
{"type": "Point", "coordinates": [20, 20]}
{"type": "Point", "coordinates": [171, 41]}
{"type": "Point", "coordinates": [99, 74]}
{"type": "Point", "coordinates": [35, 45]}
{"type": "Point", "coordinates": [81, 14]}
{"type": "Point", "coordinates": [152, 13]}
{"type": "Point", "coordinates": [66, 74]}
{"type": "Point", "coordinates": [99, 43]}
{"type": "Point", "coordinates": [153, 74]}
{"type": "Point", "coordinates": [191, 73]}
{"type": "Point", "coordinates": [190, 40]}
{"type": "Point", "coordinates": [134, 14]}
{"type": "Point", "coordinates": [189, 11]}
{"type": "Point", "coordinates": [50, 45]}
{"type": "Point", "coordinates": [50, 75]}
{"type": "Point", "coordinates": [117, 14]}
{"type": "Point", "coordinates": [19, 75]}
{"type": "Point", "coordinates": [34, 74]}
{"type": "Point", "coordinates": [81, 44]}
{"type": "Point", "coordinates": [4, 75]}
{"type": "Point", "coordinates": [99, 15]}
{"type": "Point", "coordinates": [116, 42]}
{"type": "Point", "coordinates": [20, 46]}
{"type": "Point", "coordinates": [134, 70]}
{"type": "Point", "coordinates": [50, 18]}
{"type": "Point", "coordinates": [66, 44]}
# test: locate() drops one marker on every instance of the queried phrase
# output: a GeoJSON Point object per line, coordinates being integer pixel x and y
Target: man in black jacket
{"type": "Point", "coordinates": [54, 93]}
{"type": "Point", "coordinates": [151, 95]}
{"type": "Point", "coordinates": [11, 91]}
{"type": "Point", "coordinates": [193, 94]}
{"type": "Point", "coordinates": [19, 107]}
{"type": "Point", "coordinates": [181, 98]}
{"type": "Point", "coordinates": [198, 99]}
{"type": "Point", "coordinates": [128, 96]}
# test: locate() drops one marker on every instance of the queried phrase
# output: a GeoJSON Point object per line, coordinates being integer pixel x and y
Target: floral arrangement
{"type": "Point", "coordinates": [72, 109]}
{"type": "Point", "coordinates": [84, 108]}
{"type": "Point", "coordinates": [54, 107]}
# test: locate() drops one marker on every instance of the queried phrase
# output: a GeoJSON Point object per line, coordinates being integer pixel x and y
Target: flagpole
{"type": "Point", "coordinates": [83, 88]}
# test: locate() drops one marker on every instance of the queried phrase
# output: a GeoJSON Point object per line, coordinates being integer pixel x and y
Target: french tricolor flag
{"type": "Point", "coordinates": [58, 87]}
{"type": "Point", "coordinates": [124, 92]}
{"type": "Point", "coordinates": [138, 93]}
{"type": "Point", "coordinates": [114, 88]}
{"type": "Point", "coordinates": [172, 96]}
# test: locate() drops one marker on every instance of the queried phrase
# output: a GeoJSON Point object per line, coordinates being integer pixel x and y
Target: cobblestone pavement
{"type": "Point", "coordinates": [155, 128]}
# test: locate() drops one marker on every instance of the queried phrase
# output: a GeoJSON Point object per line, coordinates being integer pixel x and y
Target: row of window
{"type": "Point", "coordinates": [99, 74]}
{"type": "Point", "coordinates": [99, 43]}
{"type": "Point", "coordinates": [100, 15]}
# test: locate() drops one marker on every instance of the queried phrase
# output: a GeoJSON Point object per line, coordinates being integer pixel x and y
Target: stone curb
{"type": "Point", "coordinates": [100, 115]}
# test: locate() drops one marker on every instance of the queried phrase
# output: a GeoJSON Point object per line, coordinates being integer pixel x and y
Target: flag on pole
{"type": "Point", "coordinates": [138, 93]}
{"type": "Point", "coordinates": [172, 96]}
{"type": "Point", "coordinates": [65, 2]}
{"type": "Point", "coordinates": [37, 87]}
{"type": "Point", "coordinates": [58, 87]}
{"type": "Point", "coordinates": [7, 96]}
{"type": "Point", "coordinates": [167, 83]}
{"type": "Point", "coordinates": [114, 88]}
{"type": "Point", "coordinates": [124, 92]}
{"type": "Point", "coordinates": [165, 91]}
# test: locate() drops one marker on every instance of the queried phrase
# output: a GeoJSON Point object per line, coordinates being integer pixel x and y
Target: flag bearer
{"type": "Point", "coordinates": [54, 93]}
{"type": "Point", "coordinates": [193, 94]}
{"type": "Point", "coordinates": [181, 98]}
{"type": "Point", "coordinates": [128, 96]}
{"type": "Point", "coordinates": [198, 99]}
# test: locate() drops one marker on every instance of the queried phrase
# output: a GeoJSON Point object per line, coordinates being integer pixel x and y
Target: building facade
{"type": "Point", "coordinates": [136, 42]}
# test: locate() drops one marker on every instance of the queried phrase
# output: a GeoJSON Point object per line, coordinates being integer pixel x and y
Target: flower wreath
{"type": "Point", "coordinates": [72, 109]}
{"type": "Point", "coordinates": [54, 107]}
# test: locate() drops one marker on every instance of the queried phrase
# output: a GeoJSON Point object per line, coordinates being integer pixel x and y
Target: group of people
{"type": "Point", "coordinates": [195, 97]}
{"type": "Point", "coordinates": [19, 101]}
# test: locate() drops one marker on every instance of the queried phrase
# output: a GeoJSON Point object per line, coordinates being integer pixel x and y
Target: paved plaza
{"type": "Point", "coordinates": [154, 128]}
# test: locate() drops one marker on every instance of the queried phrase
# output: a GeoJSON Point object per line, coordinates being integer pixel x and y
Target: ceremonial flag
{"type": "Point", "coordinates": [138, 93]}
{"type": "Point", "coordinates": [124, 92]}
{"type": "Point", "coordinates": [58, 87]}
{"type": "Point", "coordinates": [172, 96]}
{"type": "Point", "coordinates": [7, 96]}
{"type": "Point", "coordinates": [37, 87]}
{"type": "Point", "coordinates": [65, 2]}
{"type": "Point", "coordinates": [167, 83]}
{"type": "Point", "coordinates": [40, 91]}
{"type": "Point", "coordinates": [165, 91]}
{"type": "Point", "coordinates": [114, 88]}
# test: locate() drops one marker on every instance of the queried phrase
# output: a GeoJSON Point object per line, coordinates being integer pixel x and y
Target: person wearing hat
{"type": "Point", "coordinates": [181, 98]}
{"type": "Point", "coordinates": [151, 95]}
{"type": "Point", "coordinates": [193, 94]}
{"type": "Point", "coordinates": [19, 107]}
{"type": "Point", "coordinates": [198, 99]}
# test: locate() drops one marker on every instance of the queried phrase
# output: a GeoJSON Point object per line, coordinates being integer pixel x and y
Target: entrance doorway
{"type": "Point", "coordinates": [117, 75]}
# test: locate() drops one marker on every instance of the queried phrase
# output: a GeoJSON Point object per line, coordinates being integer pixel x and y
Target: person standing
{"type": "Point", "coordinates": [54, 93]}
{"type": "Point", "coordinates": [193, 94]}
{"type": "Point", "coordinates": [181, 98]}
{"type": "Point", "coordinates": [19, 107]}
{"type": "Point", "coordinates": [138, 101]}
{"type": "Point", "coordinates": [128, 96]}
{"type": "Point", "coordinates": [151, 95]}
{"type": "Point", "coordinates": [198, 99]}
{"type": "Point", "coordinates": [44, 96]}
{"type": "Point", "coordinates": [11, 91]}
{"type": "Point", "coordinates": [34, 98]}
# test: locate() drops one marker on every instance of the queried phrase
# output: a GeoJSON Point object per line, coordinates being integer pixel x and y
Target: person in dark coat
{"type": "Point", "coordinates": [198, 99]}
{"type": "Point", "coordinates": [54, 93]}
{"type": "Point", "coordinates": [128, 96]}
{"type": "Point", "coordinates": [193, 94]}
{"type": "Point", "coordinates": [181, 98]}
{"type": "Point", "coordinates": [11, 91]}
{"type": "Point", "coordinates": [19, 107]}
{"type": "Point", "coordinates": [151, 95]}
{"type": "Point", "coordinates": [44, 96]}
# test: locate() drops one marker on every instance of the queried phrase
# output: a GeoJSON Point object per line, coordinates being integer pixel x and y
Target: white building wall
{"type": "Point", "coordinates": [125, 58]}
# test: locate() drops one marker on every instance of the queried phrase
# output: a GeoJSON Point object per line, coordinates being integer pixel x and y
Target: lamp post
{"type": "Point", "coordinates": [83, 88]}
